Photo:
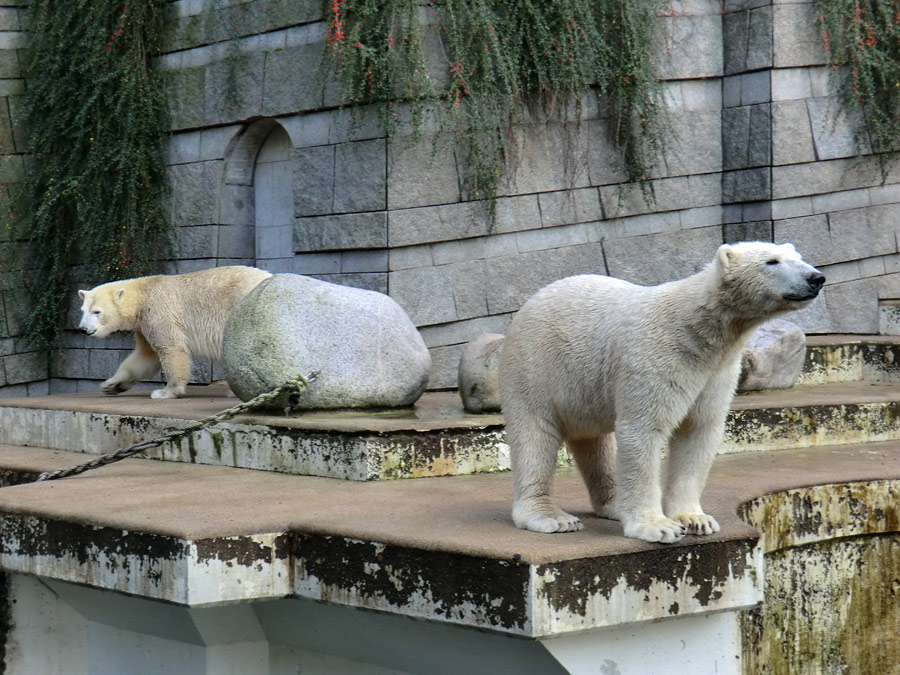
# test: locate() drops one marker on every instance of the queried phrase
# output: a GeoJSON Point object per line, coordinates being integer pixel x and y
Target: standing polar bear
{"type": "Point", "coordinates": [174, 318]}
{"type": "Point", "coordinates": [616, 371]}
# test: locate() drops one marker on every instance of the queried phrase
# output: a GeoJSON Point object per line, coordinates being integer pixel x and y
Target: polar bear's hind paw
{"type": "Point", "coordinates": [697, 523]}
{"type": "Point", "coordinates": [546, 519]}
{"type": "Point", "coordinates": [663, 530]}
{"type": "Point", "coordinates": [111, 388]}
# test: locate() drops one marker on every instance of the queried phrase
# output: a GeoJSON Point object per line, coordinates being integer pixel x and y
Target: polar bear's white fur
{"type": "Point", "coordinates": [616, 371]}
{"type": "Point", "coordinates": [174, 318]}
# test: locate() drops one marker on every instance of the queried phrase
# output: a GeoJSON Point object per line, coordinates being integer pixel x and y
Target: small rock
{"type": "Point", "coordinates": [774, 357]}
{"type": "Point", "coordinates": [479, 383]}
{"type": "Point", "coordinates": [363, 346]}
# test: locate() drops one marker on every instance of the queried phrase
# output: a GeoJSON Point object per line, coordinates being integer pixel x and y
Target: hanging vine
{"type": "Point", "coordinates": [862, 41]}
{"type": "Point", "coordinates": [95, 185]}
{"type": "Point", "coordinates": [503, 54]}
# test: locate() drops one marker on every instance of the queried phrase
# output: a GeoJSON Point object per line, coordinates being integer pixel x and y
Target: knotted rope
{"type": "Point", "coordinates": [293, 388]}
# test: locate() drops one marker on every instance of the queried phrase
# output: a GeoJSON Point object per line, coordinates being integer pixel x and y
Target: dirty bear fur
{"type": "Point", "coordinates": [617, 371]}
{"type": "Point", "coordinates": [174, 318]}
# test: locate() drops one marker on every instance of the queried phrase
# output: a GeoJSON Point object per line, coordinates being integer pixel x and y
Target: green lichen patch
{"type": "Point", "coordinates": [802, 426]}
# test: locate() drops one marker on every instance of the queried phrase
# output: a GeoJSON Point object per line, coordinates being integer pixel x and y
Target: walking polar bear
{"type": "Point", "coordinates": [616, 371]}
{"type": "Point", "coordinates": [174, 318]}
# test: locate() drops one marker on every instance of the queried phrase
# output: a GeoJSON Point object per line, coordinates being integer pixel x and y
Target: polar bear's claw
{"type": "Point", "coordinates": [663, 530]}
{"type": "Point", "coordinates": [564, 523]}
{"type": "Point", "coordinates": [697, 523]}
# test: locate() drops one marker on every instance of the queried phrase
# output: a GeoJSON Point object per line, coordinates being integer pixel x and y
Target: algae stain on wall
{"type": "Point", "coordinates": [832, 604]}
{"type": "Point", "coordinates": [830, 607]}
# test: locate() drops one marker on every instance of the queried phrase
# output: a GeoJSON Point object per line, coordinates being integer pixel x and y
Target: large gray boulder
{"type": "Point", "coordinates": [479, 382]}
{"type": "Point", "coordinates": [365, 349]}
{"type": "Point", "coordinates": [773, 357]}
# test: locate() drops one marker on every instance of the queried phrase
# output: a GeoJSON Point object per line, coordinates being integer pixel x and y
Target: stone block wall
{"type": "Point", "coordinates": [793, 169]}
{"type": "Point", "coordinates": [23, 369]}
{"type": "Point", "coordinates": [267, 169]}
{"type": "Point", "coordinates": [388, 214]}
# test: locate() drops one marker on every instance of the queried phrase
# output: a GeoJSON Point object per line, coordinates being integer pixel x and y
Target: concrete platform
{"type": "Point", "coordinates": [809, 415]}
{"type": "Point", "coordinates": [443, 549]}
{"type": "Point", "coordinates": [435, 438]}
{"type": "Point", "coordinates": [847, 358]}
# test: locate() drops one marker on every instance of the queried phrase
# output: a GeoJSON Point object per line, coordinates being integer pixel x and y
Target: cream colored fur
{"type": "Point", "coordinates": [174, 318]}
{"type": "Point", "coordinates": [617, 371]}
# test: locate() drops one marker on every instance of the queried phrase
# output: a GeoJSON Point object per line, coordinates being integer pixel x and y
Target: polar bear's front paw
{"type": "Point", "coordinates": [661, 529]}
{"type": "Point", "coordinates": [163, 393]}
{"type": "Point", "coordinates": [545, 518]}
{"type": "Point", "coordinates": [697, 523]}
{"type": "Point", "coordinates": [111, 387]}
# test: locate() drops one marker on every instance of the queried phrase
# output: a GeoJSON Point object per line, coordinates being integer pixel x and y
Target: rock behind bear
{"type": "Point", "coordinates": [362, 345]}
{"type": "Point", "coordinates": [478, 379]}
{"type": "Point", "coordinates": [774, 357]}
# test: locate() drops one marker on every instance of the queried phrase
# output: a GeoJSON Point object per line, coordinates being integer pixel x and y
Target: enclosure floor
{"type": "Point", "coordinates": [460, 514]}
{"type": "Point", "coordinates": [464, 514]}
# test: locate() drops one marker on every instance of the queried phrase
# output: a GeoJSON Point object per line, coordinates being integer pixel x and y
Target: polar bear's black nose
{"type": "Point", "coordinates": [816, 280]}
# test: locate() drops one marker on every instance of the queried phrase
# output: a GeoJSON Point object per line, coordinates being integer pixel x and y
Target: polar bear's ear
{"type": "Point", "coordinates": [119, 295]}
{"type": "Point", "coordinates": [728, 255]}
{"type": "Point", "coordinates": [82, 294]}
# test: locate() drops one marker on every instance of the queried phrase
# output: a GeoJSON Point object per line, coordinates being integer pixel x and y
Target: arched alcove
{"type": "Point", "coordinates": [293, 202]}
{"type": "Point", "coordinates": [241, 157]}
{"type": "Point", "coordinates": [257, 197]}
{"type": "Point", "coordinates": [273, 200]}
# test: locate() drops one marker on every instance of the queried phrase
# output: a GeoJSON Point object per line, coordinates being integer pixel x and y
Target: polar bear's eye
{"type": "Point", "coordinates": [96, 312]}
{"type": "Point", "coordinates": [773, 261]}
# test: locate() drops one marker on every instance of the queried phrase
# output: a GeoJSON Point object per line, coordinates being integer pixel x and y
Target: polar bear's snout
{"type": "Point", "coordinates": [795, 280]}
{"type": "Point", "coordinates": [813, 282]}
{"type": "Point", "coordinates": [88, 323]}
{"type": "Point", "coordinates": [816, 281]}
